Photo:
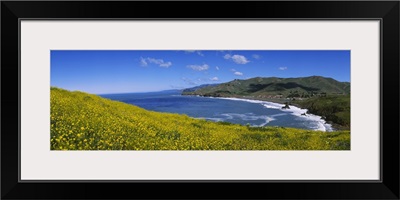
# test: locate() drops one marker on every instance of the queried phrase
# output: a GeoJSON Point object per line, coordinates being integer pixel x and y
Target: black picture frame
{"type": "Point", "coordinates": [386, 11]}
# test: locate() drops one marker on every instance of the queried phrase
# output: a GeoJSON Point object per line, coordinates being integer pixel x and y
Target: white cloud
{"type": "Point", "coordinates": [256, 56]}
{"type": "Point", "coordinates": [159, 62]}
{"type": "Point", "coordinates": [166, 65]}
{"type": "Point", "coordinates": [143, 62]}
{"type": "Point", "coordinates": [195, 51]}
{"type": "Point", "coordinates": [216, 67]}
{"type": "Point", "coordinates": [156, 61]}
{"type": "Point", "coordinates": [238, 59]}
{"type": "Point", "coordinates": [282, 68]}
{"type": "Point", "coordinates": [238, 73]}
{"type": "Point", "coordinates": [214, 79]}
{"type": "Point", "coordinates": [198, 67]}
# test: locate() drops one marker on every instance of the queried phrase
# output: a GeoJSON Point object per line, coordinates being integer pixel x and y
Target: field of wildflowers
{"type": "Point", "coordinates": [81, 121]}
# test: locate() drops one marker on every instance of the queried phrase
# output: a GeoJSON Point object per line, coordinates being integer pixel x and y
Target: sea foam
{"type": "Point", "coordinates": [319, 123]}
{"type": "Point", "coordinates": [250, 117]}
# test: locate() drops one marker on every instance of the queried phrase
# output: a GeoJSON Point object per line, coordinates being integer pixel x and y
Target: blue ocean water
{"type": "Point", "coordinates": [252, 112]}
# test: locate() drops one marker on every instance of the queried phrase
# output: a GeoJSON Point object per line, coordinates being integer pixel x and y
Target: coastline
{"type": "Point", "coordinates": [294, 109]}
{"type": "Point", "coordinates": [335, 126]}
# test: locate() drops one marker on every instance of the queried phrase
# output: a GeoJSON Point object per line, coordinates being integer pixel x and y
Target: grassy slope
{"type": "Point", "coordinates": [88, 122]}
{"type": "Point", "coordinates": [336, 108]}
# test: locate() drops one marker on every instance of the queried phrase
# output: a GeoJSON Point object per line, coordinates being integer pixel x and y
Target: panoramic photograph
{"type": "Point", "coordinates": [200, 100]}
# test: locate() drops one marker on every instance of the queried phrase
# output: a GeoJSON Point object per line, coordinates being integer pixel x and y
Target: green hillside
{"type": "Point", "coordinates": [335, 108]}
{"type": "Point", "coordinates": [320, 95]}
{"type": "Point", "coordinates": [81, 121]}
{"type": "Point", "coordinates": [271, 87]}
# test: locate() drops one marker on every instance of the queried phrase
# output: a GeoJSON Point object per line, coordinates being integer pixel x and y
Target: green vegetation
{"type": "Point", "coordinates": [335, 108]}
{"type": "Point", "coordinates": [273, 87]}
{"type": "Point", "coordinates": [81, 121]}
{"type": "Point", "coordinates": [320, 95]}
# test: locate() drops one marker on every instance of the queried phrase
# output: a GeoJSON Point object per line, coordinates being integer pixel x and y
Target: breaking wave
{"type": "Point", "coordinates": [318, 123]}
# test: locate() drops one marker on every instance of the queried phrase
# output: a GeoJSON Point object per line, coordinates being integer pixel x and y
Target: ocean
{"type": "Point", "coordinates": [233, 110]}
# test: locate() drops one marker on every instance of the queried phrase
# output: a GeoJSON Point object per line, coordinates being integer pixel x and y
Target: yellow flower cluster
{"type": "Point", "coordinates": [81, 121]}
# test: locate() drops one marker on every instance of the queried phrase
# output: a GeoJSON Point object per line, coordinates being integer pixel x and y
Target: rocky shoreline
{"type": "Point", "coordinates": [288, 102]}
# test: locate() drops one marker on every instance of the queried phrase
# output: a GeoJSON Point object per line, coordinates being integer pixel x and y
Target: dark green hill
{"type": "Point", "coordinates": [198, 87]}
{"type": "Point", "coordinates": [274, 87]}
{"type": "Point", "coordinates": [322, 96]}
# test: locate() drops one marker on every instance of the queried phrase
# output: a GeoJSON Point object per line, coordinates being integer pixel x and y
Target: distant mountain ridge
{"type": "Point", "coordinates": [198, 87]}
{"type": "Point", "coordinates": [273, 87]}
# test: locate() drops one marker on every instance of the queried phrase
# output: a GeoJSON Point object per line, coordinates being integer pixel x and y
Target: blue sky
{"type": "Point", "coordinates": [112, 71]}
